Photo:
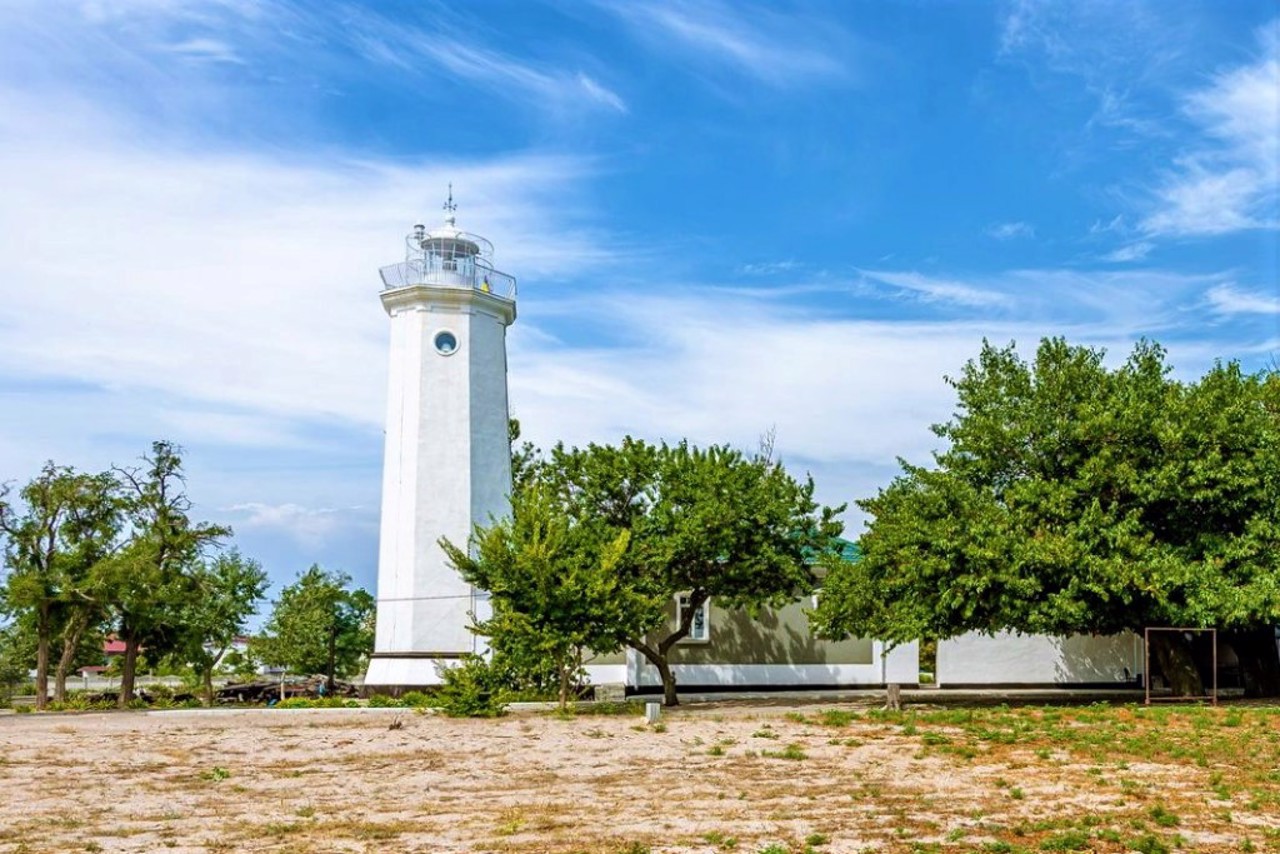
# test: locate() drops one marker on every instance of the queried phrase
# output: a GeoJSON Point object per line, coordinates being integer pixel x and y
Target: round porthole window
{"type": "Point", "coordinates": [446, 343]}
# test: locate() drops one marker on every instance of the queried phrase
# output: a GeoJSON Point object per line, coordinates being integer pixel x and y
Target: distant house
{"type": "Point", "coordinates": [776, 649]}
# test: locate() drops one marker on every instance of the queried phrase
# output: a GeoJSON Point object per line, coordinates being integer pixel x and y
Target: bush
{"type": "Point", "coordinates": [382, 701]}
{"type": "Point", "coordinates": [473, 689]}
{"type": "Point", "coordinates": [418, 700]}
{"type": "Point", "coordinates": [80, 703]}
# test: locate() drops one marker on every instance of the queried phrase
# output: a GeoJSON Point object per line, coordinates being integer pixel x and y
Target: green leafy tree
{"type": "Point", "coordinates": [699, 523]}
{"type": "Point", "coordinates": [225, 593]}
{"type": "Point", "coordinates": [553, 586]}
{"type": "Point", "coordinates": [319, 625]}
{"type": "Point", "coordinates": [17, 654]}
{"type": "Point", "coordinates": [151, 581]}
{"type": "Point", "coordinates": [55, 544]}
{"type": "Point", "coordinates": [1073, 498]}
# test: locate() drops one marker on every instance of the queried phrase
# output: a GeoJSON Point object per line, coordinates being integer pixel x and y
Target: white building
{"type": "Point", "coordinates": [447, 465]}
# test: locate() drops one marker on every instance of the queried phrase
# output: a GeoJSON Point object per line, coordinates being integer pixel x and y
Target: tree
{"type": "Point", "coordinates": [320, 626]}
{"type": "Point", "coordinates": [151, 580]}
{"type": "Point", "coordinates": [17, 654]}
{"type": "Point", "coordinates": [552, 583]}
{"type": "Point", "coordinates": [225, 591]}
{"type": "Point", "coordinates": [54, 549]}
{"type": "Point", "coordinates": [699, 523]}
{"type": "Point", "coordinates": [1073, 498]}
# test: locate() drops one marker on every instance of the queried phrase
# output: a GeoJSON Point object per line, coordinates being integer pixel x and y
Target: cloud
{"type": "Point", "coordinates": [768, 268]}
{"type": "Point", "coordinates": [496, 72]}
{"type": "Point", "coordinates": [780, 50]}
{"type": "Point", "coordinates": [1130, 252]}
{"type": "Point", "coordinates": [1010, 230]}
{"type": "Point", "coordinates": [210, 50]}
{"type": "Point", "coordinates": [310, 527]}
{"type": "Point", "coordinates": [932, 289]}
{"type": "Point", "coordinates": [847, 394]}
{"type": "Point", "coordinates": [1228, 181]}
{"type": "Point", "coordinates": [1227, 299]}
{"type": "Point", "coordinates": [236, 281]}
{"type": "Point", "coordinates": [173, 57]}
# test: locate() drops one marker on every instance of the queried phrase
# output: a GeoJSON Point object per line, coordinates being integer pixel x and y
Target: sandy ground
{"type": "Point", "coordinates": [708, 779]}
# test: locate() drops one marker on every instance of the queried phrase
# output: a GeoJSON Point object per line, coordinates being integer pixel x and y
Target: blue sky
{"type": "Point", "coordinates": [726, 218]}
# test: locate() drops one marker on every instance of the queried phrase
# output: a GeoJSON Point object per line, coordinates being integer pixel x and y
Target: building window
{"type": "Point", "coordinates": [446, 343]}
{"type": "Point", "coordinates": [700, 628]}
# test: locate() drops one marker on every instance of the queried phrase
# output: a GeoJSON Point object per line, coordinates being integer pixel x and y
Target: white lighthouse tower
{"type": "Point", "coordinates": [448, 460]}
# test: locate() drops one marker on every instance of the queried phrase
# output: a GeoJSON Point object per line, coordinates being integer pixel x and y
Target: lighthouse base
{"type": "Point", "coordinates": [396, 672]}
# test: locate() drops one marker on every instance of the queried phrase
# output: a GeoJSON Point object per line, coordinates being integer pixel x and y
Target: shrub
{"type": "Point", "coordinates": [417, 700]}
{"type": "Point", "coordinates": [473, 689]}
{"type": "Point", "coordinates": [382, 701]}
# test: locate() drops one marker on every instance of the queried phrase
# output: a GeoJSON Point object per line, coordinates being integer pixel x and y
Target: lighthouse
{"type": "Point", "coordinates": [447, 463]}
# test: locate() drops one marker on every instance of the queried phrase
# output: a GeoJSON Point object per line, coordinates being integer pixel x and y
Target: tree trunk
{"type": "Point", "coordinates": [669, 697]}
{"type": "Point", "coordinates": [564, 684]}
{"type": "Point", "coordinates": [208, 686]}
{"type": "Point", "coordinates": [42, 668]}
{"type": "Point", "coordinates": [128, 671]}
{"type": "Point", "coordinates": [71, 636]}
{"type": "Point", "coordinates": [1172, 653]}
{"type": "Point", "coordinates": [333, 659]}
{"type": "Point", "coordinates": [659, 660]}
{"type": "Point", "coordinates": [1259, 660]}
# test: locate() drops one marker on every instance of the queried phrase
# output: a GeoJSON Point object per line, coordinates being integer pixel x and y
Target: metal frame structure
{"type": "Point", "coordinates": [1212, 697]}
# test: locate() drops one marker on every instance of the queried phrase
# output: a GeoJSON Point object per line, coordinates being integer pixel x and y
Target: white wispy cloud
{"type": "Point", "coordinates": [309, 526]}
{"type": "Point", "coordinates": [1228, 181]}
{"type": "Point", "coordinates": [847, 394]}
{"type": "Point", "coordinates": [1228, 299]}
{"type": "Point", "coordinates": [236, 279]}
{"type": "Point", "coordinates": [778, 49]}
{"type": "Point", "coordinates": [210, 50]}
{"type": "Point", "coordinates": [936, 289]}
{"type": "Point", "coordinates": [768, 268]}
{"type": "Point", "coordinates": [497, 72]}
{"type": "Point", "coordinates": [1130, 252]}
{"type": "Point", "coordinates": [169, 51]}
{"type": "Point", "coordinates": [1010, 230]}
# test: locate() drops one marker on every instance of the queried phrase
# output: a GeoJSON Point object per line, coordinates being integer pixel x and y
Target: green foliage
{"type": "Point", "coordinates": [473, 689]}
{"type": "Point", "coordinates": [17, 657]}
{"type": "Point", "coordinates": [702, 523]}
{"type": "Point", "coordinates": [56, 544]}
{"type": "Point", "coordinates": [1074, 498]}
{"type": "Point", "coordinates": [792, 751]}
{"type": "Point", "coordinates": [319, 626]}
{"type": "Point", "coordinates": [1067, 840]}
{"type": "Point", "coordinates": [417, 700]}
{"type": "Point", "coordinates": [552, 582]}
{"type": "Point", "coordinates": [224, 594]}
{"type": "Point", "coordinates": [150, 582]}
{"type": "Point", "coordinates": [79, 703]}
{"type": "Point", "coordinates": [239, 664]}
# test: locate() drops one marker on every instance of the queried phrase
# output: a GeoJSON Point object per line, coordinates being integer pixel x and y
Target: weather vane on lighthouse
{"type": "Point", "coordinates": [447, 466]}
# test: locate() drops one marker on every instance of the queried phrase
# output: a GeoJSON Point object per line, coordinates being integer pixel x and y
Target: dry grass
{"type": "Point", "coordinates": [1097, 778]}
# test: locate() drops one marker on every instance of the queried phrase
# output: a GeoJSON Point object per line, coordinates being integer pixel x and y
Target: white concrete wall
{"type": "Point", "coordinates": [1012, 659]}
{"type": "Point", "coordinates": [447, 467]}
{"type": "Point", "coordinates": [900, 665]}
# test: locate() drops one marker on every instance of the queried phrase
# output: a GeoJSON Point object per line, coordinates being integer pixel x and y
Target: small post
{"type": "Point", "coordinates": [893, 698]}
{"type": "Point", "coordinates": [651, 712]}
